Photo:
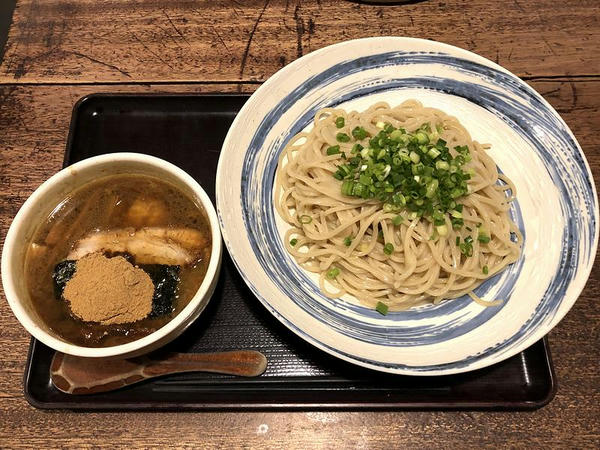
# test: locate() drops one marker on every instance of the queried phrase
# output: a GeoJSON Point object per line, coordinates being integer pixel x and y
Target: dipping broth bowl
{"type": "Point", "coordinates": [40, 205]}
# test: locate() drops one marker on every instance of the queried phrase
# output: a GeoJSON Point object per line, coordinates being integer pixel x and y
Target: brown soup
{"type": "Point", "coordinates": [110, 205]}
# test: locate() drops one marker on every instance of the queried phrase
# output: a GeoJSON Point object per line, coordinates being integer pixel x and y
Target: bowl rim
{"type": "Point", "coordinates": [177, 323]}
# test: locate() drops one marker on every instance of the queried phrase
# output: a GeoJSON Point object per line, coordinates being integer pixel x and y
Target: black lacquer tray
{"type": "Point", "coordinates": [188, 130]}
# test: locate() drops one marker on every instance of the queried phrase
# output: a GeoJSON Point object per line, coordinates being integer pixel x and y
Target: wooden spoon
{"type": "Point", "coordinates": [75, 375]}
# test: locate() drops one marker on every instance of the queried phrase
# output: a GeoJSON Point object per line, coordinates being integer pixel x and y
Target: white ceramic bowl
{"type": "Point", "coordinates": [37, 208]}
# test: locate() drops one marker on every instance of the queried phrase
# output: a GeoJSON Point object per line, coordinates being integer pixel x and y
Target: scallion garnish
{"type": "Point", "coordinates": [388, 249]}
{"type": "Point", "coordinates": [347, 187]}
{"type": "Point", "coordinates": [485, 270]}
{"type": "Point", "coordinates": [356, 148]}
{"type": "Point", "coordinates": [397, 220]}
{"type": "Point", "coordinates": [466, 247]}
{"type": "Point", "coordinates": [340, 122]}
{"type": "Point", "coordinates": [382, 308]}
{"type": "Point", "coordinates": [414, 172]}
{"type": "Point", "coordinates": [342, 137]}
{"type": "Point", "coordinates": [305, 219]}
{"type": "Point", "coordinates": [293, 242]}
{"type": "Point", "coordinates": [359, 133]}
{"type": "Point", "coordinates": [483, 236]}
{"type": "Point", "coordinates": [442, 230]}
{"type": "Point", "coordinates": [347, 241]}
{"type": "Point", "coordinates": [333, 272]}
{"type": "Point", "coordinates": [333, 150]}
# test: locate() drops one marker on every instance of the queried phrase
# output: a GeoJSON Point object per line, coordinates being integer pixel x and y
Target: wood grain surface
{"type": "Point", "coordinates": [59, 51]}
{"type": "Point", "coordinates": [116, 41]}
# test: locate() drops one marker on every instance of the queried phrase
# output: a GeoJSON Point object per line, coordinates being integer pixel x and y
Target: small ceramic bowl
{"type": "Point", "coordinates": [40, 204]}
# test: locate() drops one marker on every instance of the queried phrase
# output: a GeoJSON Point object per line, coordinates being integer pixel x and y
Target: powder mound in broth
{"type": "Point", "coordinates": [109, 290]}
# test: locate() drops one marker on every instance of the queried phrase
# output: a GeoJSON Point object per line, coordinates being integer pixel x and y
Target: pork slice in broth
{"type": "Point", "coordinates": [150, 245]}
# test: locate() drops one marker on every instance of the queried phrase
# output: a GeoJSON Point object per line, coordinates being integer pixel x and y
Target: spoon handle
{"type": "Point", "coordinates": [245, 363]}
{"type": "Point", "coordinates": [75, 375]}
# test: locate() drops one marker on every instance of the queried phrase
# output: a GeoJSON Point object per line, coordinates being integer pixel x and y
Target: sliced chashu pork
{"type": "Point", "coordinates": [151, 245]}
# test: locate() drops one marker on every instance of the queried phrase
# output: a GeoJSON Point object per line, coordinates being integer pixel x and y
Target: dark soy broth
{"type": "Point", "coordinates": [111, 203]}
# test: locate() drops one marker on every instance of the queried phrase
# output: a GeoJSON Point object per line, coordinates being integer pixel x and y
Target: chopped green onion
{"type": "Point", "coordinates": [359, 190]}
{"type": "Point", "coordinates": [412, 171]}
{"type": "Point", "coordinates": [466, 249]}
{"type": "Point", "coordinates": [397, 220]}
{"type": "Point", "coordinates": [457, 240]}
{"type": "Point", "coordinates": [333, 272]}
{"type": "Point", "coordinates": [342, 137]}
{"type": "Point", "coordinates": [340, 122]}
{"type": "Point", "coordinates": [305, 219]}
{"type": "Point", "coordinates": [457, 223]}
{"type": "Point", "coordinates": [382, 308]}
{"type": "Point", "coordinates": [356, 148]}
{"type": "Point", "coordinates": [348, 241]}
{"type": "Point", "coordinates": [359, 133]}
{"type": "Point", "coordinates": [432, 187]}
{"type": "Point", "coordinates": [397, 136]}
{"type": "Point", "coordinates": [485, 270]}
{"type": "Point", "coordinates": [347, 187]}
{"type": "Point", "coordinates": [442, 230]}
{"type": "Point", "coordinates": [442, 165]}
{"type": "Point", "coordinates": [457, 192]}
{"type": "Point", "coordinates": [434, 153]}
{"type": "Point", "coordinates": [333, 150]}
{"type": "Point", "coordinates": [398, 199]}
{"type": "Point", "coordinates": [293, 242]}
{"type": "Point", "coordinates": [483, 238]}
{"type": "Point", "coordinates": [388, 249]}
{"type": "Point", "coordinates": [422, 138]}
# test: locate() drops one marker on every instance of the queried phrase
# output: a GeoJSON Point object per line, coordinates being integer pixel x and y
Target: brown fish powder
{"type": "Point", "coordinates": [109, 290]}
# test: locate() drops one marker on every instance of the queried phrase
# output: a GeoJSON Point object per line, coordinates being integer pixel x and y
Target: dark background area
{"type": "Point", "coordinates": [6, 11]}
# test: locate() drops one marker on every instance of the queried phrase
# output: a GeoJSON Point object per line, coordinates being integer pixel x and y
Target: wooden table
{"type": "Point", "coordinates": [60, 50]}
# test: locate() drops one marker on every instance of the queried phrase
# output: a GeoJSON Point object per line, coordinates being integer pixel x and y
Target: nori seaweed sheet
{"type": "Point", "coordinates": [164, 277]}
{"type": "Point", "coordinates": [62, 273]}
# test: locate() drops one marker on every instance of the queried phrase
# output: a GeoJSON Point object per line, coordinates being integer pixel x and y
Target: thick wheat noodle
{"type": "Point", "coordinates": [421, 270]}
